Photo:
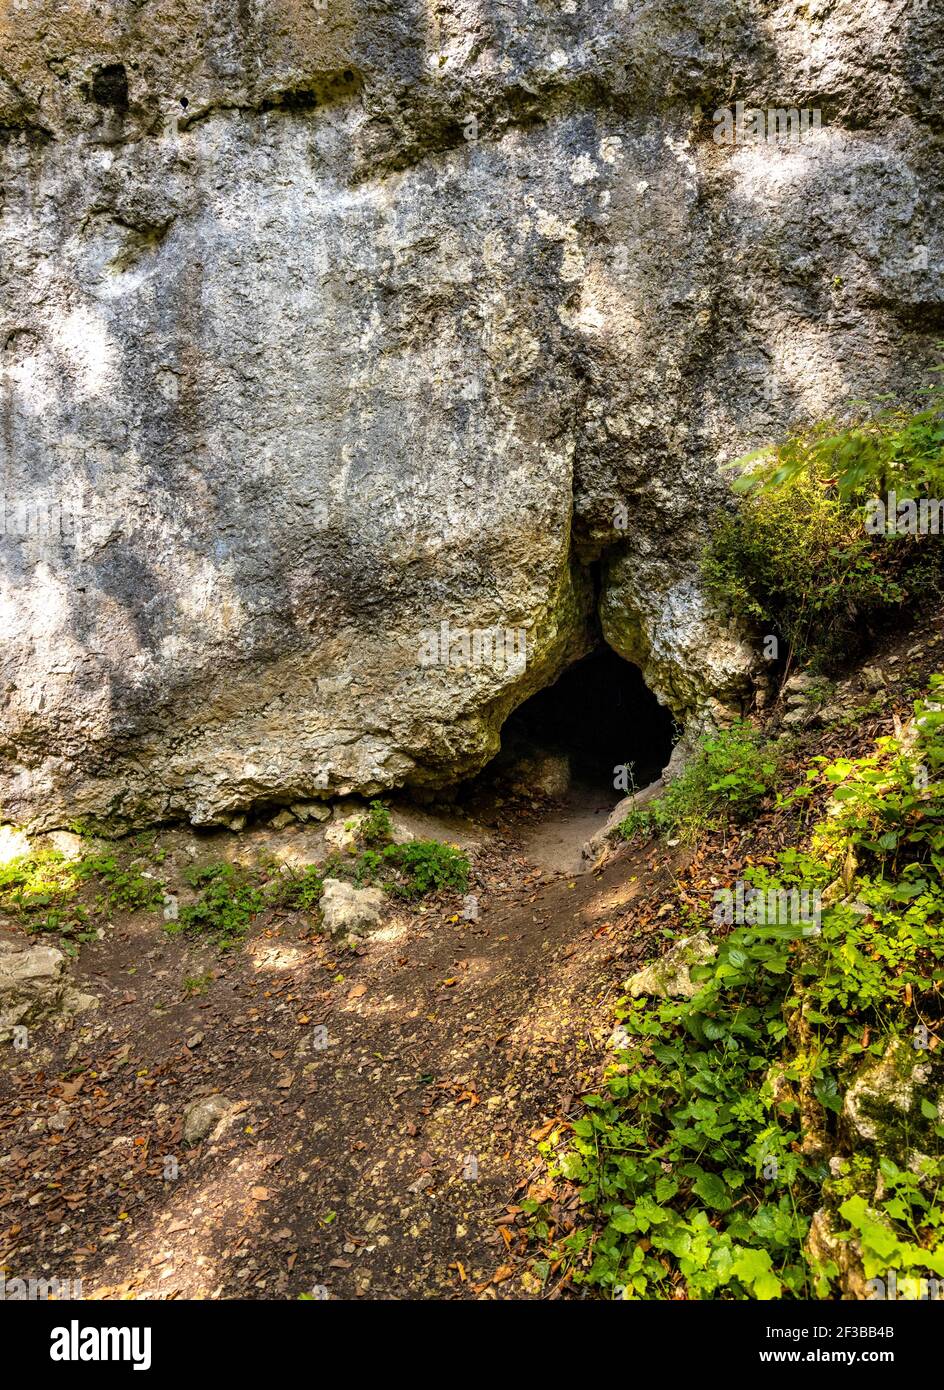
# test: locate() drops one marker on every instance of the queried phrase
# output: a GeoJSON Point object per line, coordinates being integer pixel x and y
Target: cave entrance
{"type": "Point", "coordinates": [598, 716]}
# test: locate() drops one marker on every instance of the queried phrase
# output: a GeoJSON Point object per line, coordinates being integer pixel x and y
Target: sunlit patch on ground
{"type": "Point", "coordinates": [393, 932]}
{"type": "Point", "coordinates": [611, 900]}
{"type": "Point", "coordinates": [267, 955]}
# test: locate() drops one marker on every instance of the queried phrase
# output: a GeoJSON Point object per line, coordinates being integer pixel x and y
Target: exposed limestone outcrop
{"type": "Point", "coordinates": [891, 1109]}
{"type": "Point", "coordinates": [670, 977]}
{"type": "Point", "coordinates": [347, 910]}
{"type": "Point", "coordinates": [324, 326]}
{"type": "Point", "coordinates": [34, 988]}
{"type": "Point", "coordinates": [896, 1103]}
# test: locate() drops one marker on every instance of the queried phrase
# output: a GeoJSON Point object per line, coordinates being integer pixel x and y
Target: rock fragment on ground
{"type": "Point", "coordinates": [34, 987]}
{"type": "Point", "coordinates": [346, 909]}
{"type": "Point", "coordinates": [202, 1116]}
{"type": "Point", "coordinates": [670, 976]}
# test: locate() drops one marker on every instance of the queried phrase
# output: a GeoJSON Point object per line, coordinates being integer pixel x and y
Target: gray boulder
{"type": "Point", "coordinates": [202, 1116]}
{"type": "Point", "coordinates": [34, 988]}
{"type": "Point", "coordinates": [349, 910]}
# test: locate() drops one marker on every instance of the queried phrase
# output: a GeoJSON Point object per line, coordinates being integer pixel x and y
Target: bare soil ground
{"type": "Point", "coordinates": [386, 1164]}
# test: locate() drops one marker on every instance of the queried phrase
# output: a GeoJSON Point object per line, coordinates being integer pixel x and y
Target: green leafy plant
{"type": "Point", "coordinates": [194, 985]}
{"type": "Point", "coordinates": [35, 881]}
{"type": "Point", "coordinates": [410, 870]}
{"type": "Point", "coordinates": [301, 891]}
{"type": "Point", "coordinates": [426, 866]}
{"type": "Point", "coordinates": [703, 1157]}
{"type": "Point", "coordinates": [891, 446]}
{"type": "Point", "coordinates": [126, 887]}
{"type": "Point", "coordinates": [229, 899]}
{"type": "Point", "coordinates": [671, 1155]}
{"type": "Point", "coordinates": [376, 828]}
{"type": "Point", "coordinates": [368, 868]}
{"type": "Point", "coordinates": [725, 780]}
{"type": "Point", "coordinates": [71, 922]}
{"type": "Point", "coordinates": [798, 558]}
{"type": "Point", "coordinates": [42, 889]}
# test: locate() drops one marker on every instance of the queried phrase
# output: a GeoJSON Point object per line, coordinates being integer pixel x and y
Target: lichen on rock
{"type": "Point", "coordinates": [887, 1105]}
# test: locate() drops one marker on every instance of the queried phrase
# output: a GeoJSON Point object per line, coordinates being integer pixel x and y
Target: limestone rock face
{"type": "Point", "coordinates": [661, 622]}
{"type": "Point", "coordinates": [341, 341]}
{"type": "Point", "coordinates": [670, 976]}
{"type": "Point", "coordinates": [34, 987]}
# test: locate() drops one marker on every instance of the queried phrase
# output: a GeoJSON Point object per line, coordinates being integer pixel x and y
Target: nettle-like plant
{"type": "Point", "coordinates": [703, 1156]}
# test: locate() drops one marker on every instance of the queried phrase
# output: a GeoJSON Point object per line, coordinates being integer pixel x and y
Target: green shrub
{"type": "Point", "coordinates": [368, 867]}
{"type": "Point", "coordinates": [725, 780]}
{"type": "Point", "coordinates": [70, 921]}
{"type": "Point", "coordinates": [694, 1164]}
{"type": "Point", "coordinates": [410, 870]}
{"type": "Point", "coordinates": [127, 888]}
{"type": "Point", "coordinates": [41, 887]}
{"type": "Point", "coordinates": [301, 891]}
{"type": "Point", "coordinates": [231, 896]}
{"type": "Point", "coordinates": [797, 559]}
{"type": "Point", "coordinates": [229, 900]}
{"type": "Point", "coordinates": [376, 828]}
{"type": "Point", "coordinates": [195, 985]}
{"type": "Point", "coordinates": [890, 448]}
{"type": "Point", "coordinates": [671, 1153]}
{"type": "Point", "coordinates": [426, 866]}
{"type": "Point", "coordinates": [889, 808]}
{"type": "Point", "coordinates": [36, 880]}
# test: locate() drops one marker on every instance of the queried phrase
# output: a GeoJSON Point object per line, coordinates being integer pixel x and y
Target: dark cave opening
{"type": "Point", "coordinates": [110, 87]}
{"type": "Point", "coordinates": [599, 716]}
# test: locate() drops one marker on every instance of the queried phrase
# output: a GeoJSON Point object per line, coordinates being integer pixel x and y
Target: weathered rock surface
{"type": "Point", "coordinates": [891, 1110]}
{"type": "Point", "coordinates": [326, 325]}
{"type": "Point", "coordinates": [310, 810]}
{"type": "Point", "coordinates": [670, 976]}
{"type": "Point", "coordinates": [346, 821]}
{"type": "Point", "coordinates": [202, 1116]}
{"type": "Point", "coordinates": [349, 910]}
{"type": "Point", "coordinates": [825, 1245]}
{"type": "Point", "coordinates": [34, 987]}
{"type": "Point", "coordinates": [544, 773]}
{"type": "Point", "coordinates": [887, 1103]}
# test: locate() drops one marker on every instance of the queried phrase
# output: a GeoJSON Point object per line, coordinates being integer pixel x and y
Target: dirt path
{"type": "Point", "coordinates": [385, 1164]}
{"type": "Point", "coordinates": [555, 841]}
